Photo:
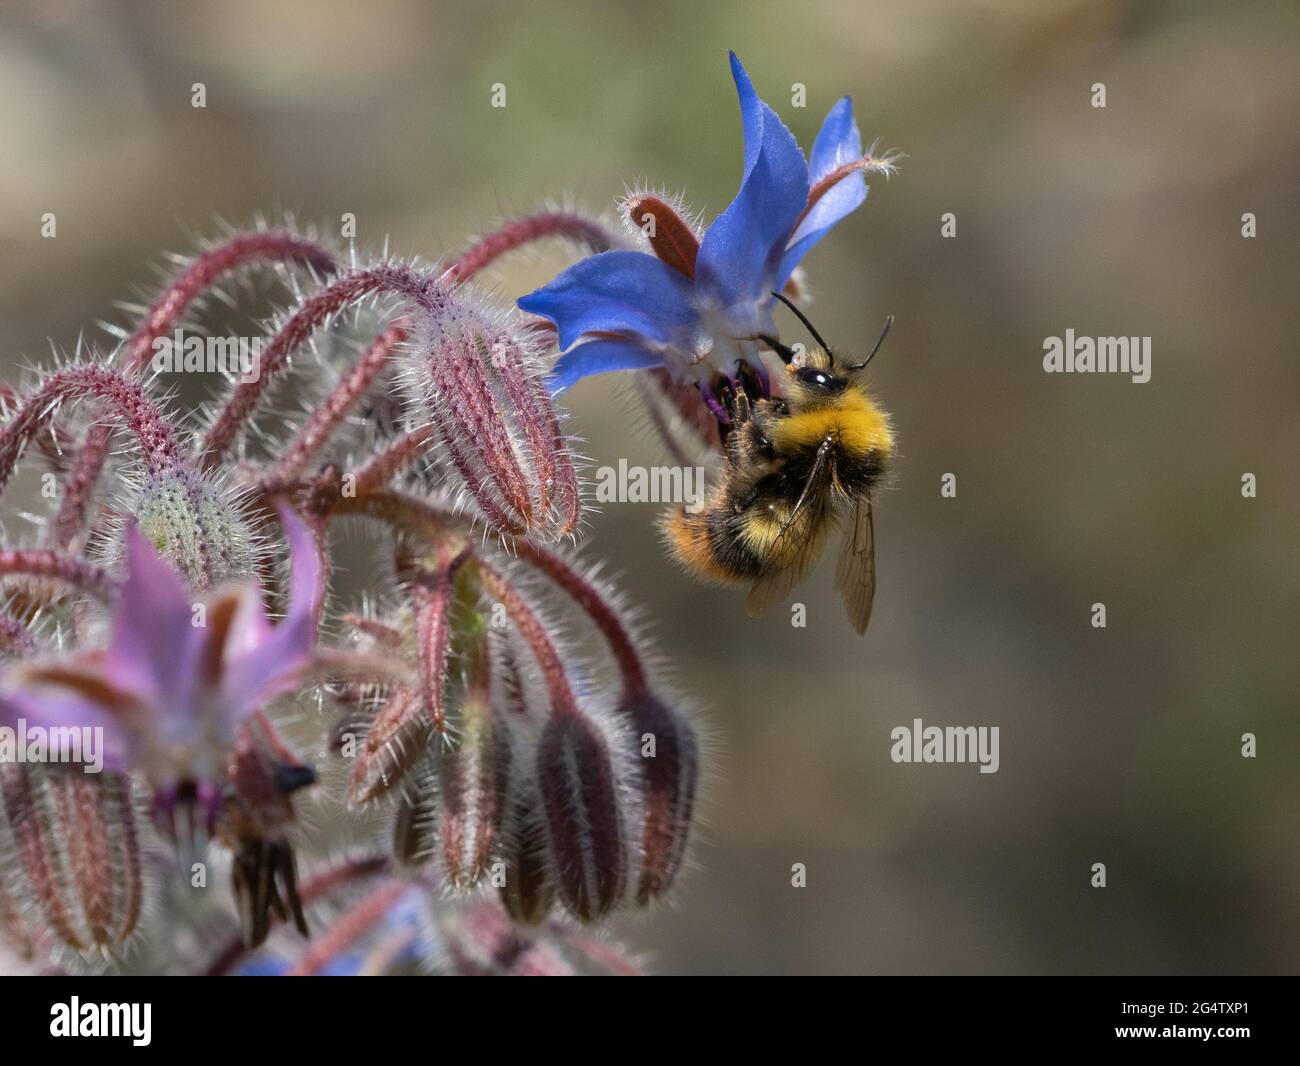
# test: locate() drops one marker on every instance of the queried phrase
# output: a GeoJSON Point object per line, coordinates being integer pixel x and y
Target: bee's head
{"type": "Point", "coordinates": [816, 372]}
{"type": "Point", "coordinates": [818, 380]}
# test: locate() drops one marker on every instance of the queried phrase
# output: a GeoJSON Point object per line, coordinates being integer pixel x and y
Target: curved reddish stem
{"type": "Point", "coordinates": [348, 928]}
{"type": "Point", "coordinates": [163, 314]}
{"type": "Point", "coordinates": [417, 516]}
{"type": "Point", "coordinates": [326, 418]}
{"type": "Point", "coordinates": [58, 447]}
{"type": "Point", "coordinates": [383, 635]}
{"type": "Point", "coordinates": [521, 231]}
{"type": "Point", "coordinates": [276, 246]}
{"type": "Point", "coordinates": [425, 291]}
{"type": "Point", "coordinates": [422, 518]}
{"type": "Point", "coordinates": [80, 483]}
{"type": "Point", "coordinates": [602, 615]}
{"type": "Point", "coordinates": [156, 436]}
{"type": "Point", "coordinates": [38, 562]}
{"type": "Point", "coordinates": [436, 595]}
{"type": "Point", "coordinates": [600, 953]}
{"type": "Point", "coordinates": [382, 468]}
{"type": "Point", "coordinates": [530, 627]}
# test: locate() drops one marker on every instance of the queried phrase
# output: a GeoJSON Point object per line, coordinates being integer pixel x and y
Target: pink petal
{"type": "Point", "coordinates": [265, 660]}
{"type": "Point", "coordinates": [155, 645]}
{"type": "Point", "coordinates": [50, 708]}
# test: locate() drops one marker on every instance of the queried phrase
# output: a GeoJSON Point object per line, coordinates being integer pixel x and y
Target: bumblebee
{"type": "Point", "coordinates": [797, 465]}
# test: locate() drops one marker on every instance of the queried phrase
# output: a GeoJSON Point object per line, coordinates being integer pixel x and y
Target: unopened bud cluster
{"type": "Point", "coordinates": [505, 771]}
{"type": "Point", "coordinates": [495, 708]}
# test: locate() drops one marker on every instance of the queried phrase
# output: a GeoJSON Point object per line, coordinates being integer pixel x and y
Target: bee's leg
{"type": "Point", "coordinates": [731, 398]}
{"type": "Point", "coordinates": [754, 381]}
{"type": "Point", "coordinates": [721, 398]}
{"type": "Point", "coordinates": [725, 388]}
{"type": "Point", "coordinates": [742, 409]}
{"type": "Point", "coordinates": [711, 401]}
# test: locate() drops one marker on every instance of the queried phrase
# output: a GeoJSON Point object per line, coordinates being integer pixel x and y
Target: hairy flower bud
{"type": "Point", "coordinates": [395, 740]}
{"type": "Point", "coordinates": [528, 894]}
{"type": "Point", "coordinates": [70, 838]}
{"type": "Point", "coordinates": [17, 931]}
{"type": "Point", "coordinates": [473, 776]}
{"type": "Point", "coordinates": [586, 804]}
{"type": "Point", "coordinates": [670, 767]}
{"type": "Point", "coordinates": [196, 527]}
{"type": "Point", "coordinates": [480, 376]}
{"type": "Point", "coordinates": [436, 594]}
{"type": "Point", "coordinates": [415, 829]}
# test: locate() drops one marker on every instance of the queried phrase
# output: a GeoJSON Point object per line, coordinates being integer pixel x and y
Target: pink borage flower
{"type": "Point", "coordinates": [178, 676]}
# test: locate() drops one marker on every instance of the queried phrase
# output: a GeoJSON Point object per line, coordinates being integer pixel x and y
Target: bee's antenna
{"type": "Point", "coordinates": [783, 350]}
{"type": "Point", "coordinates": [808, 325]}
{"type": "Point", "coordinates": [880, 340]}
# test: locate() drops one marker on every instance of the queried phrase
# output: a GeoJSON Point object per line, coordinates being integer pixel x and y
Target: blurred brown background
{"type": "Point", "coordinates": [1119, 746]}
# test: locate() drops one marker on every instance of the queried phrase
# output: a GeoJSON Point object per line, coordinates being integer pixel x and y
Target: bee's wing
{"type": "Point", "coordinates": [798, 544]}
{"type": "Point", "coordinates": [775, 582]}
{"type": "Point", "coordinates": [855, 576]}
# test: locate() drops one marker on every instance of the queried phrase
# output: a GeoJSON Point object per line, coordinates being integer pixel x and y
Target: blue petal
{"type": "Point", "coordinates": [616, 292]}
{"type": "Point", "coordinates": [741, 250]}
{"type": "Point", "coordinates": [600, 357]}
{"type": "Point", "coordinates": [751, 114]}
{"type": "Point", "coordinates": [838, 142]}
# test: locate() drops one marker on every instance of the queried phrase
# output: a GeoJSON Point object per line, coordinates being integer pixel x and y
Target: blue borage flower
{"type": "Point", "coordinates": [696, 308]}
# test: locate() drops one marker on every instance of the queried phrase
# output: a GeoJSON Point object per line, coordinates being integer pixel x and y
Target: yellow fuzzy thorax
{"type": "Point", "coordinates": [852, 419]}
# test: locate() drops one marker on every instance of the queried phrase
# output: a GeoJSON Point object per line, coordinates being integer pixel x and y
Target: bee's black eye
{"type": "Point", "coordinates": [820, 379]}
